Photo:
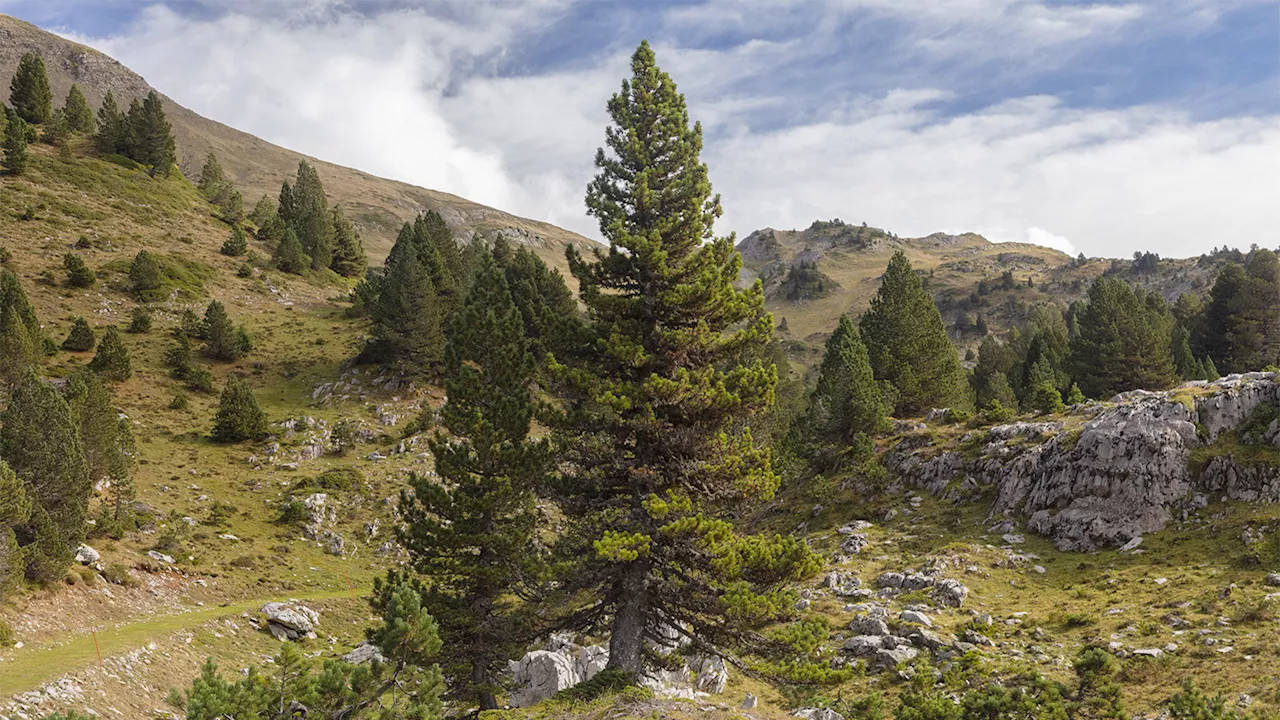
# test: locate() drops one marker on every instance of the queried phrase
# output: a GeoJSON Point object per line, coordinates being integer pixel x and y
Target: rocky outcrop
{"type": "Point", "coordinates": [290, 620]}
{"type": "Point", "coordinates": [1118, 475]}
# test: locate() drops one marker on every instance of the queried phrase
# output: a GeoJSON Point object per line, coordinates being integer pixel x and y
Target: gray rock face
{"type": "Point", "coordinates": [86, 555]}
{"type": "Point", "coordinates": [817, 714]}
{"type": "Point", "coordinates": [541, 674]}
{"type": "Point", "coordinates": [1119, 476]}
{"type": "Point", "coordinates": [363, 653]}
{"type": "Point", "coordinates": [862, 645]}
{"type": "Point", "coordinates": [891, 658]}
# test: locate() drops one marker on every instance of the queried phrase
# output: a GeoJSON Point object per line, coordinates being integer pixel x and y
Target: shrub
{"type": "Point", "coordinates": [112, 360]}
{"type": "Point", "coordinates": [118, 574]}
{"type": "Point", "coordinates": [1045, 398]}
{"type": "Point", "coordinates": [291, 512]}
{"type": "Point", "coordinates": [956, 416]}
{"type": "Point", "coordinates": [239, 416]}
{"type": "Point", "coordinates": [78, 274]}
{"type": "Point", "coordinates": [7, 636]}
{"type": "Point", "coordinates": [1077, 620]}
{"type": "Point", "coordinates": [236, 245]}
{"type": "Point", "coordinates": [179, 401]}
{"type": "Point", "coordinates": [81, 338]}
{"type": "Point", "coordinates": [245, 270]}
{"type": "Point", "coordinates": [199, 379]}
{"type": "Point", "coordinates": [6, 256]}
{"type": "Point", "coordinates": [994, 413]}
{"type": "Point", "coordinates": [140, 320]}
{"type": "Point", "coordinates": [343, 479]}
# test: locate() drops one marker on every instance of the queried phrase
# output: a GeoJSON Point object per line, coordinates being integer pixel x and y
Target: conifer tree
{"type": "Point", "coordinates": [15, 144]}
{"type": "Point", "coordinates": [57, 132]}
{"type": "Point", "coordinates": [40, 441]}
{"type": "Point", "coordinates": [263, 211]}
{"type": "Point", "coordinates": [237, 244]}
{"type": "Point", "coordinates": [1241, 331]}
{"type": "Point", "coordinates": [310, 219]}
{"type": "Point", "coordinates": [545, 302]}
{"type": "Point", "coordinates": [990, 378]}
{"type": "Point", "coordinates": [144, 274]}
{"type": "Point", "coordinates": [120, 469]}
{"type": "Point", "coordinates": [29, 93]}
{"type": "Point", "coordinates": [93, 410]}
{"type": "Point", "coordinates": [212, 179]}
{"type": "Point", "coordinates": [179, 358]}
{"type": "Point", "coordinates": [432, 260]}
{"type": "Point", "coordinates": [285, 204]}
{"type": "Point", "coordinates": [81, 338]}
{"type": "Point", "coordinates": [1121, 343]}
{"type": "Point", "coordinates": [470, 534]}
{"type": "Point", "coordinates": [112, 131]}
{"type": "Point", "coordinates": [349, 259]}
{"type": "Point", "coordinates": [15, 509]}
{"type": "Point", "coordinates": [231, 206]}
{"type": "Point", "coordinates": [442, 237]}
{"type": "Point", "coordinates": [152, 136]}
{"type": "Point", "coordinates": [222, 340]}
{"type": "Point", "coordinates": [407, 315]}
{"type": "Point", "coordinates": [908, 344]}
{"type": "Point", "coordinates": [76, 108]}
{"type": "Point", "coordinates": [239, 416]}
{"type": "Point", "coordinates": [1074, 396]}
{"type": "Point", "coordinates": [846, 407]}
{"type": "Point", "coordinates": [78, 274]}
{"type": "Point", "coordinates": [21, 339]}
{"type": "Point", "coordinates": [653, 440]}
{"type": "Point", "coordinates": [112, 359]}
{"type": "Point", "coordinates": [289, 256]}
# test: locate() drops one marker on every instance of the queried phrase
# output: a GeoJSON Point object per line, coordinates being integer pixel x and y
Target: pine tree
{"type": "Point", "coordinates": [442, 238]}
{"type": "Point", "coordinates": [469, 534]}
{"type": "Point", "coordinates": [81, 338]}
{"type": "Point", "coordinates": [179, 358]}
{"type": "Point", "coordinates": [653, 440]}
{"type": "Point", "coordinates": [237, 244]}
{"type": "Point", "coordinates": [1242, 320]}
{"type": "Point", "coordinates": [289, 256]}
{"type": "Point", "coordinates": [93, 410]}
{"type": "Point", "coordinates": [29, 93]}
{"type": "Point", "coordinates": [545, 302]}
{"type": "Point", "coordinates": [231, 206]}
{"type": "Point", "coordinates": [990, 379]}
{"type": "Point", "coordinates": [144, 275]}
{"type": "Point", "coordinates": [239, 416]}
{"type": "Point", "coordinates": [310, 219]}
{"type": "Point", "coordinates": [285, 204]}
{"type": "Point", "coordinates": [212, 179]}
{"type": "Point", "coordinates": [1122, 343]}
{"type": "Point", "coordinates": [15, 509]}
{"type": "Point", "coordinates": [407, 315]}
{"type": "Point", "coordinates": [78, 274]}
{"type": "Point", "coordinates": [112, 359]}
{"type": "Point", "coordinates": [76, 108]}
{"type": "Point", "coordinates": [15, 144]}
{"type": "Point", "coordinates": [57, 132]}
{"type": "Point", "coordinates": [112, 130]}
{"type": "Point", "coordinates": [222, 340]}
{"type": "Point", "coordinates": [1186, 364]}
{"type": "Point", "coordinates": [349, 259]}
{"type": "Point", "coordinates": [1074, 395]}
{"type": "Point", "coordinates": [21, 339]}
{"type": "Point", "coordinates": [846, 407]}
{"type": "Point", "coordinates": [908, 344]}
{"type": "Point", "coordinates": [429, 255]}
{"type": "Point", "coordinates": [153, 136]}
{"type": "Point", "coordinates": [40, 441]}
{"type": "Point", "coordinates": [263, 211]}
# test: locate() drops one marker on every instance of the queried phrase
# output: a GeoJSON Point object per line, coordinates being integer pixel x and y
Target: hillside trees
{"type": "Point", "coordinates": [908, 345]}
{"type": "Point", "coordinates": [349, 258]}
{"type": "Point", "coordinates": [237, 244]}
{"type": "Point", "coordinates": [143, 134]}
{"type": "Point", "coordinates": [81, 338]}
{"type": "Point", "coordinates": [289, 256]}
{"type": "Point", "coordinates": [112, 360]}
{"type": "Point", "coordinates": [40, 441]}
{"type": "Point", "coordinates": [325, 238]}
{"type": "Point", "coordinates": [1123, 341]}
{"type": "Point", "coordinates": [408, 313]}
{"type": "Point", "coordinates": [144, 275]}
{"type": "Point", "coordinates": [470, 533]}
{"type": "Point", "coordinates": [653, 437]}
{"type": "Point", "coordinates": [847, 406]}
{"type": "Point", "coordinates": [1241, 327]}
{"type": "Point", "coordinates": [541, 295]}
{"type": "Point", "coordinates": [15, 509]}
{"type": "Point", "coordinates": [29, 93]}
{"type": "Point", "coordinates": [222, 339]}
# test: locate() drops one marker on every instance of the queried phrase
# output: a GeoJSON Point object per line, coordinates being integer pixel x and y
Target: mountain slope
{"type": "Point", "coordinates": [813, 275]}
{"type": "Point", "coordinates": [378, 206]}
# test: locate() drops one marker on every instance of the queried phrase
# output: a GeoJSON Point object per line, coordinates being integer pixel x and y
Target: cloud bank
{"type": "Point", "coordinates": [505, 104]}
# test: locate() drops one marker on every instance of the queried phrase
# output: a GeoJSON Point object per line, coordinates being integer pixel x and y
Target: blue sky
{"type": "Point", "coordinates": [1099, 126]}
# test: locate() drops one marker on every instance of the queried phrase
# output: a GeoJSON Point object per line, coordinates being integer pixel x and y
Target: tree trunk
{"type": "Point", "coordinates": [626, 643]}
{"type": "Point", "coordinates": [480, 681]}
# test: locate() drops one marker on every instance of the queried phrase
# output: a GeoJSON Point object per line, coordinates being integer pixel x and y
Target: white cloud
{"type": "Point", "coordinates": [400, 94]}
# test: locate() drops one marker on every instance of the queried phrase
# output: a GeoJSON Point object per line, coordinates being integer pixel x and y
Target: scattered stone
{"type": "Point", "coordinates": [290, 620]}
{"type": "Point", "coordinates": [817, 714]}
{"type": "Point", "coordinates": [917, 618]}
{"type": "Point", "coordinates": [862, 645]}
{"type": "Point", "coordinates": [161, 557]}
{"type": "Point", "coordinates": [1013, 539]}
{"type": "Point", "coordinates": [1132, 544]}
{"type": "Point", "coordinates": [86, 555]}
{"type": "Point", "coordinates": [1149, 652]}
{"type": "Point", "coordinates": [749, 702]}
{"type": "Point", "coordinates": [1273, 580]}
{"type": "Point", "coordinates": [363, 653]}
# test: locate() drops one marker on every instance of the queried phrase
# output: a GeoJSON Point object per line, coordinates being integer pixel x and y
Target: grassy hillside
{"type": "Point", "coordinates": [852, 257]}
{"type": "Point", "coordinates": [376, 205]}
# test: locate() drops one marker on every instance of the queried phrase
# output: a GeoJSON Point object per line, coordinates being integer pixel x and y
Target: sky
{"type": "Point", "coordinates": [1095, 127]}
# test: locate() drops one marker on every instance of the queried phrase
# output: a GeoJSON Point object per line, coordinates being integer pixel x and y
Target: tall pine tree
{"type": "Point", "coordinates": [29, 92]}
{"type": "Point", "coordinates": [40, 440]}
{"type": "Point", "coordinates": [15, 510]}
{"type": "Point", "coordinates": [309, 217]}
{"type": "Point", "coordinates": [21, 339]}
{"type": "Point", "coordinates": [1241, 331]}
{"type": "Point", "coordinates": [655, 451]}
{"type": "Point", "coordinates": [470, 534]}
{"type": "Point", "coordinates": [407, 315]}
{"type": "Point", "coordinates": [908, 344]}
{"type": "Point", "coordinates": [112, 130]}
{"type": "Point", "coordinates": [1122, 342]}
{"type": "Point", "coordinates": [15, 144]}
{"type": "Point", "coordinates": [76, 108]}
{"type": "Point", "coordinates": [847, 406]}
{"type": "Point", "coordinates": [349, 259]}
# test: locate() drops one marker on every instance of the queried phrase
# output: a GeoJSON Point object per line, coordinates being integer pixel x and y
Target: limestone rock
{"type": "Point", "coordinates": [363, 653]}
{"type": "Point", "coordinates": [290, 620]}
{"type": "Point", "coordinates": [817, 714]}
{"type": "Point", "coordinates": [86, 555]}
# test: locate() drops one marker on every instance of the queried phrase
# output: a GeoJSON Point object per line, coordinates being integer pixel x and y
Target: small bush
{"type": "Point", "coordinates": [179, 401]}
{"type": "Point", "coordinates": [245, 271]}
{"type": "Point", "coordinates": [6, 256]}
{"type": "Point", "coordinates": [606, 682]}
{"type": "Point", "coordinates": [78, 274]}
{"type": "Point", "coordinates": [140, 321]}
{"type": "Point", "coordinates": [118, 574]}
{"type": "Point", "coordinates": [7, 636]}
{"type": "Point", "coordinates": [291, 512]}
{"type": "Point", "coordinates": [199, 379]}
{"type": "Point", "coordinates": [956, 416]}
{"type": "Point", "coordinates": [1077, 620]}
{"type": "Point", "coordinates": [175, 698]}
{"type": "Point", "coordinates": [244, 562]}
{"type": "Point", "coordinates": [338, 480]}
{"type": "Point", "coordinates": [994, 413]}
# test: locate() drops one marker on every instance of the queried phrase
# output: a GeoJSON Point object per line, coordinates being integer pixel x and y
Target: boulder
{"type": "Point", "coordinates": [161, 557]}
{"type": "Point", "coordinates": [890, 659]}
{"type": "Point", "coordinates": [712, 674]}
{"type": "Point", "coordinates": [86, 555]}
{"type": "Point", "coordinates": [541, 674]}
{"type": "Point", "coordinates": [862, 645]}
{"type": "Point", "coordinates": [869, 625]}
{"type": "Point", "coordinates": [951, 593]}
{"type": "Point", "coordinates": [290, 620]}
{"type": "Point", "coordinates": [817, 714]}
{"type": "Point", "coordinates": [363, 653]}
{"type": "Point", "coordinates": [917, 618]}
